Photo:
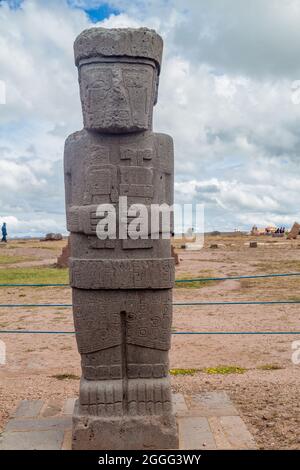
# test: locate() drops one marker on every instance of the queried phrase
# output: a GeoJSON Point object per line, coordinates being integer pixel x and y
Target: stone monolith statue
{"type": "Point", "coordinates": [122, 288]}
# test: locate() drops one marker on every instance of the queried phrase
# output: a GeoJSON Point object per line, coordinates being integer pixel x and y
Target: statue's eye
{"type": "Point", "coordinates": [101, 84]}
{"type": "Point", "coordinates": [133, 79]}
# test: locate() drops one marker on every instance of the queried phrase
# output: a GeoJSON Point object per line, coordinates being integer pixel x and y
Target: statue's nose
{"type": "Point", "coordinates": [118, 89]}
{"type": "Point", "coordinates": [117, 81]}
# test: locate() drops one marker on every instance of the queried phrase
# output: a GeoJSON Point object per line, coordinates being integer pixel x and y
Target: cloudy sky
{"type": "Point", "coordinates": [229, 96]}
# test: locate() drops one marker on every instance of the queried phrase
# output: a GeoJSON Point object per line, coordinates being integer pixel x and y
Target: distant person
{"type": "Point", "coordinates": [4, 233]}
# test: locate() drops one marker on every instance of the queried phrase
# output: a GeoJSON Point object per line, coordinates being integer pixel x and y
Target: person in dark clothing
{"type": "Point", "coordinates": [4, 233]}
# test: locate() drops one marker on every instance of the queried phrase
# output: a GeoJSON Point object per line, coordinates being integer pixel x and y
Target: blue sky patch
{"type": "Point", "coordinates": [102, 12]}
{"type": "Point", "coordinates": [13, 4]}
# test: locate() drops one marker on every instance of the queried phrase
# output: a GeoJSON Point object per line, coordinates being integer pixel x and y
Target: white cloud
{"type": "Point", "coordinates": [226, 96]}
{"type": "Point", "coordinates": [30, 227]}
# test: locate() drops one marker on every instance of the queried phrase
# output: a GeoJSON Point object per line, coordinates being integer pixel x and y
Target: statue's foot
{"type": "Point", "coordinates": [149, 396]}
{"type": "Point", "coordinates": [124, 414]}
{"type": "Point", "coordinates": [101, 397]}
{"type": "Point", "coordinates": [125, 397]}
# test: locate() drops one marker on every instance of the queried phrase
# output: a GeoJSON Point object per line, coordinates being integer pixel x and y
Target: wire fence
{"type": "Point", "coordinates": [39, 332]}
{"type": "Point", "coordinates": [198, 279]}
{"type": "Point", "coordinates": [175, 304]}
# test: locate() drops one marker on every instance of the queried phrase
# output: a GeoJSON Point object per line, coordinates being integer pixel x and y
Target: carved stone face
{"type": "Point", "coordinates": [117, 97]}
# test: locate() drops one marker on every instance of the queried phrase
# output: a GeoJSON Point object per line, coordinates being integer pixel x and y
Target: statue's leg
{"type": "Point", "coordinates": [98, 333]}
{"type": "Point", "coordinates": [148, 341]}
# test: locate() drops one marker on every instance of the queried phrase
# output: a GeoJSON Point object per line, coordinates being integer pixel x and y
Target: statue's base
{"type": "Point", "coordinates": [124, 433]}
{"type": "Point", "coordinates": [205, 421]}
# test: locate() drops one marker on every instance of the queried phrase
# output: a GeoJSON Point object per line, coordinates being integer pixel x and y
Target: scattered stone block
{"type": "Point", "coordinates": [52, 237]}
{"type": "Point", "coordinates": [193, 246]}
{"type": "Point", "coordinates": [214, 246]}
{"type": "Point", "coordinates": [253, 245]}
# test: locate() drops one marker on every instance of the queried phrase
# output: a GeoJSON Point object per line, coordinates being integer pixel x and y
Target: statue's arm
{"type": "Point", "coordinates": [165, 151]}
{"type": "Point", "coordinates": [68, 171]}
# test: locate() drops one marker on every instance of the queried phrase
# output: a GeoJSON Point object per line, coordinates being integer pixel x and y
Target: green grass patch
{"type": "Point", "coordinates": [183, 371]}
{"type": "Point", "coordinates": [37, 275]}
{"type": "Point", "coordinates": [223, 370]}
{"type": "Point", "coordinates": [194, 284]}
{"type": "Point", "coordinates": [269, 367]}
{"type": "Point", "coordinates": [294, 298]}
{"type": "Point", "coordinates": [8, 259]}
{"type": "Point", "coordinates": [65, 377]}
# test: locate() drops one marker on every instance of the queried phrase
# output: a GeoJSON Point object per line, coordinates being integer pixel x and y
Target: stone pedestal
{"type": "Point", "coordinates": [124, 432]}
{"type": "Point", "coordinates": [207, 421]}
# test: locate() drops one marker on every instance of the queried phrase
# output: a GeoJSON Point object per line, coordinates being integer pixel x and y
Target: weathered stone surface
{"type": "Point", "coordinates": [157, 431]}
{"type": "Point", "coordinates": [53, 408]}
{"type": "Point", "coordinates": [294, 232]}
{"type": "Point", "coordinates": [200, 432]}
{"type": "Point", "coordinates": [212, 404]}
{"type": "Point", "coordinates": [38, 424]}
{"type": "Point", "coordinates": [118, 77]}
{"type": "Point", "coordinates": [33, 440]}
{"type": "Point", "coordinates": [28, 409]}
{"type": "Point", "coordinates": [195, 433]}
{"type": "Point", "coordinates": [230, 432]}
{"type": "Point", "coordinates": [122, 274]}
{"type": "Point", "coordinates": [122, 286]}
{"type": "Point", "coordinates": [68, 407]}
{"type": "Point", "coordinates": [179, 404]}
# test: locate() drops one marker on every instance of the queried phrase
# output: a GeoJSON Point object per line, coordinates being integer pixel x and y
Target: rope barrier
{"type": "Point", "coordinates": [229, 278]}
{"type": "Point", "coordinates": [35, 305]}
{"type": "Point", "coordinates": [173, 333]}
{"type": "Point", "coordinates": [34, 285]}
{"type": "Point", "coordinates": [254, 302]}
{"type": "Point", "coordinates": [199, 279]}
{"type": "Point", "coordinates": [176, 304]}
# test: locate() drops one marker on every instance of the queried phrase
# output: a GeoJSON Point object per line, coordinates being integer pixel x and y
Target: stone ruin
{"type": "Point", "coordinates": [175, 255]}
{"type": "Point", "coordinates": [294, 232]}
{"type": "Point", "coordinates": [52, 237]}
{"type": "Point", "coordinates": [122, 289]}
{"type": "Point", "coordinates": [63, 259]}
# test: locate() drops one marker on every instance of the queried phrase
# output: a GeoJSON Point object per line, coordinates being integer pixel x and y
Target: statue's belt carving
{"type": "Point", "coordinates": [122, 274]}
{"type": "Point", "coordinates": [84, 219]}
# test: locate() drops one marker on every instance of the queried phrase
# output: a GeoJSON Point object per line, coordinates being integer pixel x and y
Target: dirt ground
{"type": "Point", "coordinates": [266, 393]}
